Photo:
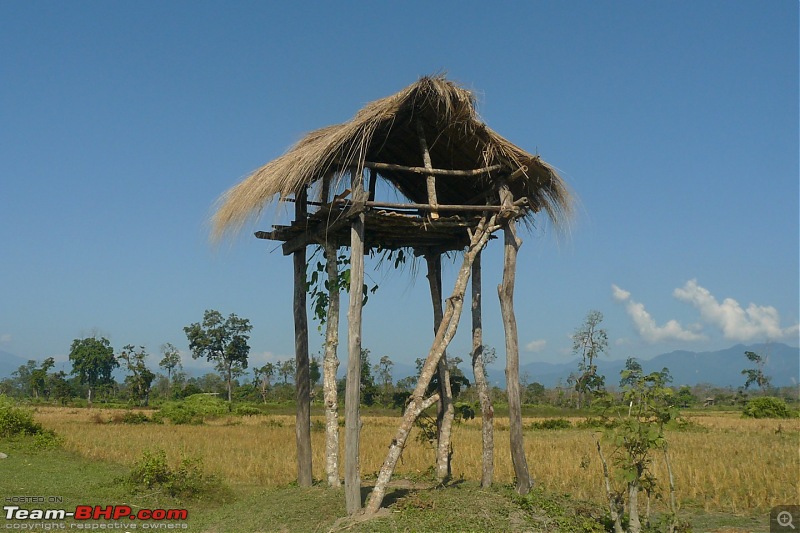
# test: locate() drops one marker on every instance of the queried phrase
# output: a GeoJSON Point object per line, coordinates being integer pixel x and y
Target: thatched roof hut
{"type": "Point", "coordinates": [461, 182]}
{"type": "Point", "coordinates": [468, 157]}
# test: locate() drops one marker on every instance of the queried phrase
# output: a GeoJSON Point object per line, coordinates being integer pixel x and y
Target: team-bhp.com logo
{"type": "Point", "coordinates": [96, 512]}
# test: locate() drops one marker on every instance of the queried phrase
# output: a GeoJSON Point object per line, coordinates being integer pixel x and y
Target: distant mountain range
{"type": "Point", "coordinates": [722, 368]}
{"type": "Point", "coordinates": [9, 363]}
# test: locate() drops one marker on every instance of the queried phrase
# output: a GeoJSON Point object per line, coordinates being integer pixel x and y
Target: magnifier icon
{"type": "Point", "coordinates": [784, 519]}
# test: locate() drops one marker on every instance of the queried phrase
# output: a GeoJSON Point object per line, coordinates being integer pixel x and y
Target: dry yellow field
{"type": "Point", "coordinates": [738, 465]}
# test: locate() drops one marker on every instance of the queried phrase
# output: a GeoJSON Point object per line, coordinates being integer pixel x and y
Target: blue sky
{"type": "Point", "coordinates": [675, 124]}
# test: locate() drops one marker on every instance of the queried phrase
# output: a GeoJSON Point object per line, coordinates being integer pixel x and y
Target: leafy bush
{"type": "Point", "coordinates": [133, 417]}
{"type": "Point", "coordinates": [247, 410]}
{"type": "Point", "coordinates": [552, 423]}
{"type": "Point", "coordinates": [767, 407]}
{"type": "Point", "coordinates": [18, 422]}
{"type": "Point", "coordinates": [598, 423]}
{"type": "Point", "coordinates": [194, 409]}
{"type": "Point", "coordinates": [185, 480]}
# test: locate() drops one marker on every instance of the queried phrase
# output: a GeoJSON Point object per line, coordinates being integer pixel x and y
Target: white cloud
{"type": "Point", "coordinates": [619, 294]}
{"type": "Point", "coordinates": [646, 325]}
{"type": "Point", "coordinates": [535, 346]}
{"type": "Point", "coordinates": [754, 323]}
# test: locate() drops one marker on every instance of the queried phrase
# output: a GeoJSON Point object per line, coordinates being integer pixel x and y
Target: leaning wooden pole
{"type": "Point", "coordinates": [481, 383]}
{"type": "Point", "coordinates": [302, 370]}
{"type": "Point", "coordinates": [352, 422]}
{"type": "Point", "coordinates": [446, 412]}
{"type": "Point", "coordinates": [418, 403]}
{"type": "Point", "coordinates": [506, 293]}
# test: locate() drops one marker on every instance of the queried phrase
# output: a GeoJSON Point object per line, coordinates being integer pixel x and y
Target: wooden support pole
{"type": "Point", "coordinates": [426, 159]}
{"type": "Point", "coordinates": [330, 363]}
{"type": "Point", "coordinates": [506, 293]}
{"type": "Point", "coordinates": [481, 383]}
{"type": "Point", "coordinates": [302, 380]}
{"type": "Point", "coordinates": [417, 403]}
{"type": "Point", "coordinates": [446, 412]}
{"type": "Point", "coordinates": [352, 475]}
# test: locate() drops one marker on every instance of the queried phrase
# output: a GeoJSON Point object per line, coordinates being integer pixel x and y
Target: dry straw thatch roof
{"type": "Point", "coordinates": [385, 131]}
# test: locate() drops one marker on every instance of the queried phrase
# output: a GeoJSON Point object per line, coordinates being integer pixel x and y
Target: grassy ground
{"type": "Point", "coordinates": [729, 471]}
{"type": "Point", "coordinates": [409, 506]}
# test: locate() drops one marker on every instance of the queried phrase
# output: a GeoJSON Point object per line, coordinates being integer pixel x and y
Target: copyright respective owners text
{"type": "Point", "coordinates": [50, 513]}
{"type": "Point", "coordinates": [784, 518]}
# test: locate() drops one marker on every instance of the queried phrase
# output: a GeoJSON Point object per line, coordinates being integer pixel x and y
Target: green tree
{"type": "Point", "coordinates": [369, 391]}
{"type": "Point", "coordinates": [635, 439]}
{"type": "Point", "coordinates": [92, 362]}
{"type": "Point", "coordinates": [286, 369]}
{"type": "Point", "coordinates": [633, 372]}
{"type": "Point", "coordinates": [314, 371]}
{"type": "Point", "coordinates": [685, 398]}
{"type": "Point", "coordinates": [535, 393]}
{"type": "Point", "coordinates": [171, 362]}
{"type": "Point", "coordinates": [384, 372]}
{"type": "Point", "coordinates": [756, 375]}
{"type": "Point", "coordinates": [22, 378]}
{"type": "Point", "coordinates": [589, 342]}
{"type": "Point", "coordinates": [38, 378]}
{"type": "Point", "coordinates": [222, 342]}
{"type": "Point", "coordinates": [59, 387]}
{"type": "Point", "coordinates": [262, 379]}
{"type": "Point", "coordinates": [140, 378]}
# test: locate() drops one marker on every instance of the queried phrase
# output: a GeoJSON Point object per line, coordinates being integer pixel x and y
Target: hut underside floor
{"type": "Point", "coordinates": [383, 229]}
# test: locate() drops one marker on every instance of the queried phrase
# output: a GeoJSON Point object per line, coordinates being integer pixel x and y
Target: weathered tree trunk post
{"type": "Point", "coordinates": [430, 180]}
{"type": "Point", "coordinates": [478, 368]}
{"type": "Point", "coordinates": [445, 413]}
{"type": "Point", "coordinates": [302, 380]}
{"type": "Point", "coordinates": [634, 524]}
{"type": "Point", "coordinates": [330, 363]}
{"type": "Point", "coordinates": [352, 422]}
{"type": "Point", "coordinates": [447, 329]}
{"type": "Point", "coordinates": [506, 293]}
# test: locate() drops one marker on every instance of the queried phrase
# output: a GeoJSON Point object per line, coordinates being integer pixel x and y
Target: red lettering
{"type": "Point", "coordinates": [106, 513]}
{"type": "Point", "coordinates": [83, 512]}
{"type": "Point", "coordinates": [177, 514]}
{"type": "Point", "coordinates": [144, 514]}
{"type": "Point", "coordinates": [121, 511]}
{"type": "Point", "coordinates": [159, 514]}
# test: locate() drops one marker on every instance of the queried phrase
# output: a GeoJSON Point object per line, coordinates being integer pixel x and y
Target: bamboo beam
{"type": "Point", "coordinates": [377, 165]}
{"type": "Point", "coordinates": [435, 171]}
{"type": "Point", "coordinates": [430, 179]}
{"type": "Point", "coordinates": [352, 475]}
{"type": "Point", "coordinates": [302, 382]}
{"type": "Point", "coordinates": [517, 173]}
{"type": "Point", "coordinates": [446, 207]}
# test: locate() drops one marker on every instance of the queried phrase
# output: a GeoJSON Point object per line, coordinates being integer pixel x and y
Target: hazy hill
{"type": "Point", "coordinates": [721, 368]}
{"type": "Point", "coordinates": [9, 363]}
